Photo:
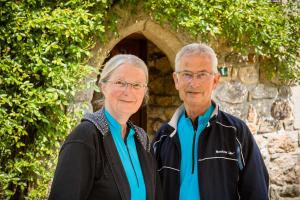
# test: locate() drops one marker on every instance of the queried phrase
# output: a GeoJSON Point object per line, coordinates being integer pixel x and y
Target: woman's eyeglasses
{"type": "Point", "coordinates": [121, 84]}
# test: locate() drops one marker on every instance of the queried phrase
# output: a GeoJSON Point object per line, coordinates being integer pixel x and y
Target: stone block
{"type": "Point", "coordinates": [163, 101]}
{"type": "Point", "coordinates": [274, 192]}
{"type": "Point", "coordinates": [168, 112]}
{"type": "Point", "coordinates": [264, 92]}
{"type": "Point", "coordinates": [169, 86]}
{"type": "Point", "coordinates": [154, 74]}
{"type": "Point", "coordinates": [296, 105]}
{"type": "Point", "coordinates": [84, 95]}
{"type": "Point", "coordinates": [238, 110]}
{"type": "Point", "coordinates": [234, 73]}
{"type": "Point", "coordinates": [281, 109]}
{"type": "Point", "coordinates": [176, 101]}
{"type": "Point", "coordinates": [157, 86]}
{"type": "Point", "coordinates": [290, 192]}
{"type": "Point", "coordinates": [249, 74]}
{"type": "Point", "coordinates": [288, 125]}
{"type": "Point", "coordinates": [286, 192]}
{"type": "Point", "coordinates": [267, 125]}
{"type": "Point", "coordinates": [262, 141]}
{"type": "Point", "coordinates": [284, 92]}
{"type": "Point", "coordinates": [164, 65]}
{"type": "Point", "coordinates": [155, 112]}
{"type": "Point", "coordinates": [253, 127]}
{"type": "Point", "coordinates": [263, 107]}
{"type": "Point", "coordinates": [252, 114]}
{"type": "Point", "coordinates": [151, 100]}
{"type": "Point", "coordinates": [283, 169]}
{"type": "Point", "coordinates": [232, 92]}
{"type": "Point", "coordinates": [281, 144]}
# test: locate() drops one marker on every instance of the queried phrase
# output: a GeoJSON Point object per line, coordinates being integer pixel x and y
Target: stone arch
{"type": "Point", "coordinates": [162, 38]}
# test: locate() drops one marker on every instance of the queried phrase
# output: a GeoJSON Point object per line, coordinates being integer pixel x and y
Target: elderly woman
{"type": "Point", "coordinates": [106, 156]}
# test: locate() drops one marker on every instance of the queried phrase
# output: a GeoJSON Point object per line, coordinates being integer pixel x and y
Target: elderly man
{"type": "Point", "coordinates": [203, 152]}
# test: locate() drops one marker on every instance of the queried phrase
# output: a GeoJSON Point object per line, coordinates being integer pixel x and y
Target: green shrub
{"type": "Point", "coordinates": [269, 29]}
{"type": "Point", "coordinates": [44, 52]}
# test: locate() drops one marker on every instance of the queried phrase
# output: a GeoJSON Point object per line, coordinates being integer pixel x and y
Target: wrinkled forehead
{"type": "Point", "coordinates": [196, 60]}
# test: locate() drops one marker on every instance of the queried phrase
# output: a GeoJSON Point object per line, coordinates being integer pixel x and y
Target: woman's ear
{"type": "Point", "coordinates": [102, 87]}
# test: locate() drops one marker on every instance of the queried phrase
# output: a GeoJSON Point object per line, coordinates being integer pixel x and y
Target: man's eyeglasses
{"type": "Point", "coordinates": [124, 84]}
{"type": "Point", "coordinates": [188, 75]}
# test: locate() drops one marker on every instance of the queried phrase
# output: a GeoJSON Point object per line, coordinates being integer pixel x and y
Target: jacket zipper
{"type": "Point", "coordinates": [132, 164]}
{"type": "Point", "coordinates": [193, 152]}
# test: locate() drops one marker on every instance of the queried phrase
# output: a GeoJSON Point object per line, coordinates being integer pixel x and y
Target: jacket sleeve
{"type": "Point", "coordinates": [75, 170]}
{"type": "Point", "coordinates": [254, 177]}
{"type": "Point", "coordinates": [158, 188]}
{"type": "Point", "coordinates": [155, 149]}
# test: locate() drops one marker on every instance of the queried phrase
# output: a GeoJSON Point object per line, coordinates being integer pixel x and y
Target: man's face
{"type": "Point", "coordinates": [195, 80]}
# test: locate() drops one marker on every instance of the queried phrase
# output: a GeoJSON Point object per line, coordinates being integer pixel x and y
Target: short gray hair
{"type": "Point", "coordinates": [116, 61]}
{"type": "Point", "coordinates": [197, 48]}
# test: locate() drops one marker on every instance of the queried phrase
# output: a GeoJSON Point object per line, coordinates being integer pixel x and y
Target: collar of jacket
{"type": "Point", "coordinates": [174, 120]}
{"type": "Point", "coordinates": [99, 120]}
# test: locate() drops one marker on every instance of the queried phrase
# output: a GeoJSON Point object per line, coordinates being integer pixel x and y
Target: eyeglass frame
{"type": "Point", "coordinates": [194, 74]}
{"type": "Point", "coordinates": [122, 84]}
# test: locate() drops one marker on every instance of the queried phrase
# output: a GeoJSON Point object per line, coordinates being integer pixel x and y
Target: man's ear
{"type": "Point", "coordinates": [216, 80]}
{"type": "Point", "coordinates": [175, 78]}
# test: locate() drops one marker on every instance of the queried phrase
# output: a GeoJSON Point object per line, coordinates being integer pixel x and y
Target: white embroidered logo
{"type": "Point", "coordinates": [224, 152]}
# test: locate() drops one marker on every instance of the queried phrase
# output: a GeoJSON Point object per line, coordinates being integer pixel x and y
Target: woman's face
{"type": "Point", "coordinates": [124, 91]}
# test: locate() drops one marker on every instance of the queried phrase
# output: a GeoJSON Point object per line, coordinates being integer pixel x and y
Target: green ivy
{"type": "Point", "coordinates": [44, 52]}
{"type": "Point", "coordinates": [270, 29]}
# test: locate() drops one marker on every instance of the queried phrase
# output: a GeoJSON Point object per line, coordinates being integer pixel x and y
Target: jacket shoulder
{"type": "Point", "coordinates": [142, 137]}
{"type": "Point", "coordinates": [229, 120]}
{"type": "Point", "coordinates": [85, 133]}
{"type": "Point", "coordinates": [163, 132]}
{"type": "Point", "coordinates": [165, 129]}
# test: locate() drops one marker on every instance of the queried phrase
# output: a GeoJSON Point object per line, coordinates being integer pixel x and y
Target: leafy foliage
{"type": "Point", "coordinates": [44, 51]}
{"type": "Point", "coordinates": [270, 29]}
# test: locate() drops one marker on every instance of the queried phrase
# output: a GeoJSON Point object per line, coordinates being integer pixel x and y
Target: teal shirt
{"type": "Point", "coordinates": [189, 186]}
{"type": "Point", "coordinates": [129, 158]}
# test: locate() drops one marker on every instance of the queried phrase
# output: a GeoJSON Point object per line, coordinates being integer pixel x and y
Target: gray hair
{"type": "Point", "coordinates": [197, 48]}
{"type": "Point", "coordinates": [116, 61]}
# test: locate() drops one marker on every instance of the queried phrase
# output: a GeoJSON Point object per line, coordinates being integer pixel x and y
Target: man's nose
{"type": "Point", "coordinates": [194, 81]}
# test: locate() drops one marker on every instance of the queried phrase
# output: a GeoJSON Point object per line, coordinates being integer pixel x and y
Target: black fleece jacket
{"type": "Point", "coordinates": [89, 166]}
{"type": "Point", "coordinates": [230, 166]}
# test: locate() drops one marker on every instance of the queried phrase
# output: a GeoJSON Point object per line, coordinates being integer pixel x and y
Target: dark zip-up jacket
{"type": "Point", "coordinates": [89, 166]}
{"type": "Point", "coordinates": [230, 165]}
